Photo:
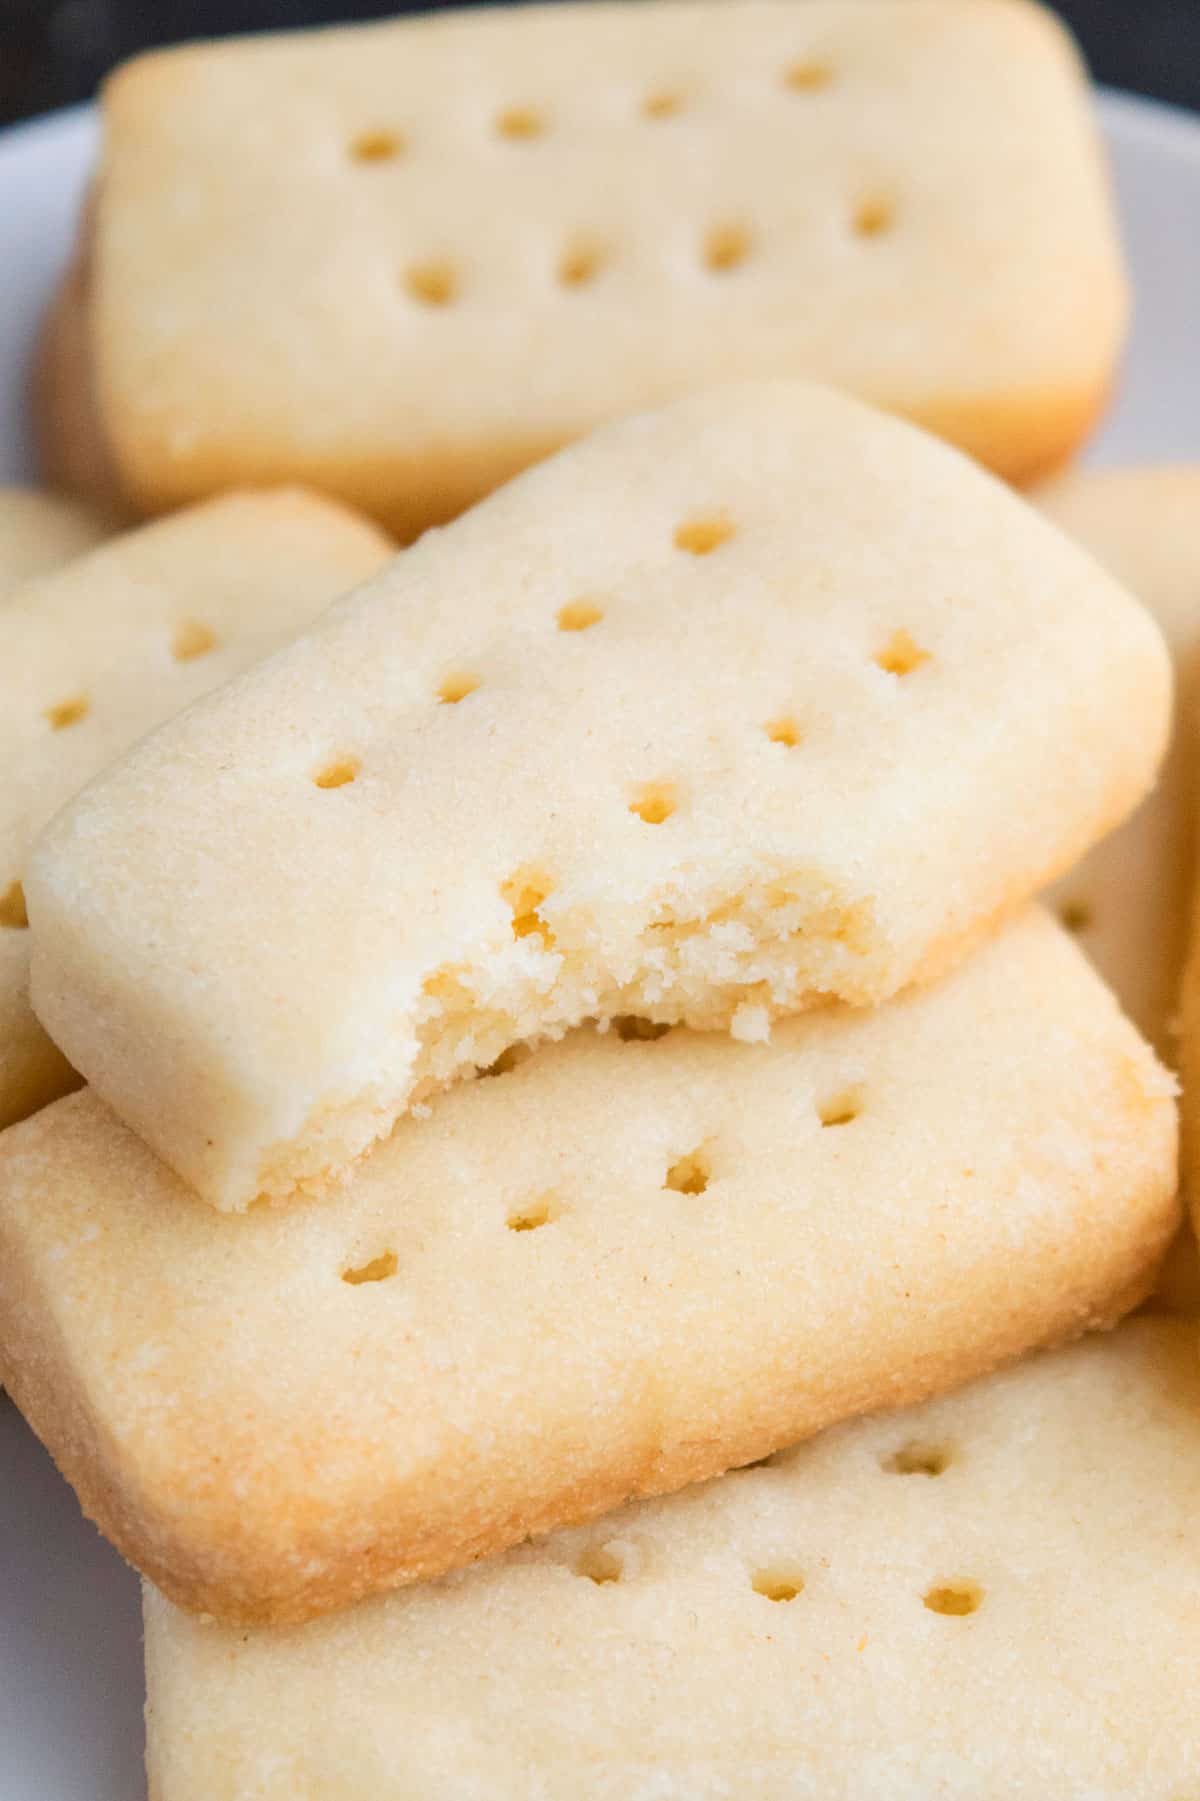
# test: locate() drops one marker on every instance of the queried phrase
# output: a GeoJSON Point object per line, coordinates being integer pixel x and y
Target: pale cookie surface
{"type": "Point", "coordinates": [622, 1266]}
{"type": "Point", "coordinates": [730, 708]}
{"type": "Point", "coordinates": [472, 238]}
{"type": "Point", "coordinates": [1128, 899]}
{"type": "Point", "coordinates": [39, 532]}
{"type": "Point", "coordinates": [1189, 1051]}
{"type": "Point", "coordinates": [97, 653]}
{"type": "Point", "coordinates": [991, 1596]}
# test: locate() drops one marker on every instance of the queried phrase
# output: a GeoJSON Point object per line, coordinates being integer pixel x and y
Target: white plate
{"type": "Point", "coordinates": [70, 1643]}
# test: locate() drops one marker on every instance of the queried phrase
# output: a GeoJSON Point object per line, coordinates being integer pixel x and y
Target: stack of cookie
{"type": "Point", "coordinates": [694, 788]}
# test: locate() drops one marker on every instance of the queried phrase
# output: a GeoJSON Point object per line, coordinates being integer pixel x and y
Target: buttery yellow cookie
{"type": "Point", "coordinates": [39, 531]}
{"type": "Point", "coordinates": [993, 1595]}
{"type": "Point", "coordinates": [732, 708]}
{"type": "Point", "coordinates": [1189, 1054]}
{"type": "Point", "coordinates": [473, 237]}
{"type": "Point", "coordinates": [95, 654]}
{"type": "Point", "coordinates": [621, 1266]}
{"type": "Point", "coordinates": [1128, 900]}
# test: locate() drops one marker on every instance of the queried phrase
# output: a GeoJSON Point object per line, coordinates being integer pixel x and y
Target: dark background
{"type": "Point", "coordinates": [55, 51]}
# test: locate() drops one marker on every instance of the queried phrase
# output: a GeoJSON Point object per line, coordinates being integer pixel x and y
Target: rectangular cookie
{"type": "Point", "coordinates": [95, 654]}
{"type": "Point", "coordinates": [1189, 1050]}
{"type": "Point", "coordinates": [473, 237]}
{"type": "Point", "coordinates": [733, 707]}
{"type": "Point", "coordinates": [622, 1266]}
{"type": "Point", "coordinates": [1128, 900]}
{"type": "Point", "coordinates": [39, 532]}
{"type": "Point", "coordinates": [992, 1595]}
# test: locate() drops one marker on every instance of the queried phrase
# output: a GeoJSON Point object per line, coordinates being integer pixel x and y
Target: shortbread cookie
{"type": "Point", "coordinates": [993, 1595]}
{"type": "Point", "coordinates": [1189, 1054]}
{"type": "Point", "coordinates": [624, 1265]}
{"type": "Point", "coordinates": [1128, 899]}
{"type": "Point", "coordinates": [760, 699]}
{"type": "Point", "coordinates": [474, 237]}
{"type": "Point", "coordinates": [39, 532]}
{"type": "Point", "coordinates": [71, 444]}
{"type": "Point", "coordinates": [94, 655]}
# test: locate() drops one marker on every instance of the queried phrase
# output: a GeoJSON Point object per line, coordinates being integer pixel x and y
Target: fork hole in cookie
{"type": "Point", "coordinates": [726, 247]}
{"type": "Point", "coordinates": [13, 912]}
{"type": "Point", "coordinates": [580, 263]}
{"type": "Point", "coordinates": [192, 639]}
{"type": "Point", "coordinates": [917, 1458]}
{"type": "Point", "coordinates": [808, 75]}
{"type": "Point", "coordinates": [380, 145]}
{"type": "Point", "coordinates": [579, 616]}
{"type": "Point", "coordinates": [663, 103]}
{"type": "Point", "coordinates": [690, 1174]}
{"type": "Point", "coordinates": [840, 1109]}
{"type": "Point", "coordinates": [535, 1214]}
{"type": "Point", "coordinates": [378, 1269]}
{"type": "Point", "coordinates": [520, 123]}
{"type": "Point", "coordinates": [778, 1581]}
{"type": "Point", "coordinates": [654, 802]}
{"type": "Point", "coordinates": [68, 712]}
{"type": "Point", "coordinates": [433, 284]}
{"type": "Point", "coordinates": [901, 655]}
{"type": "Point", "coordinates": [1076, 916]}
{"type": "Point", "coordinates": [874, 215]}
{"type": "Point", "coordinates": [704, 534]}
{"type": "Point", "coordinates": [600, 1564]}
{"type": "Point", "coordinates": [338, 774]}
{"type": "Point", "coordinates": [783, 730]}
{"type": "Point", "coordinates": [456, 686]}
{"type": "Point", "coordinates": [523, 894]}
{"type": "Point", "coordinates": [954, 1599]}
